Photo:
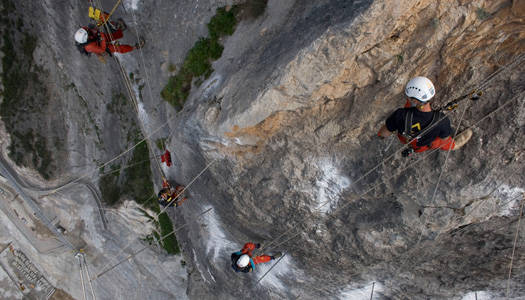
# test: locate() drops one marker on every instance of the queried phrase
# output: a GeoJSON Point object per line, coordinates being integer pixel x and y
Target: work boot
{"type": "Point", "coordinates": [121, 25]}
{"type": "Point", "coordinates": [140, 44]}
{"type": "Point", "coordinates": [277, 255]}
{"type": "Point", "coordinates": [462, 138]}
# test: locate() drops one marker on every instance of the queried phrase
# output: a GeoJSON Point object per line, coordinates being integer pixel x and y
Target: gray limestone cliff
{"type": "Point", "coordinates": [281, 142]}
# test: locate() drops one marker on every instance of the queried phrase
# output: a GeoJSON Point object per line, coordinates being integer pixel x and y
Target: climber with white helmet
{"type": "Point", "coordinates": [411, 121]}
{"type": "Point", "coordinates": [91, 40]}
{"type": "Point", "coordinates": [244, 261]}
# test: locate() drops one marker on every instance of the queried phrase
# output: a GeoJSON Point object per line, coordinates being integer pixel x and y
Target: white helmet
{"type": "Point", "coordinates": [420, 88]}
{"type": "Point", "coordinates": [243, 261]}
{"type": "Point", "coordinates": [81, 36]}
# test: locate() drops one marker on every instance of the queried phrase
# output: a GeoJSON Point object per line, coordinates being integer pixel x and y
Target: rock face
{"type": "Point", "coordinates": [298, 165]}
{"type": "Point", "coordinates": [281, 143]}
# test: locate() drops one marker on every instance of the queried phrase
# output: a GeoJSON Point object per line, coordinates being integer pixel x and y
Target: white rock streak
{"type": "Point", "coordinates": [132, 4]}
{"type": "Point", "coordinates": [360, 293]}
{"type": "Point", "coordinates": [218, 243]}
{"type": "Point", "coordinates": [509, 199]}
{"type": "Point", "coordinates": [281, 270]}
{"type": "Point", "coordinates": [330, 184]}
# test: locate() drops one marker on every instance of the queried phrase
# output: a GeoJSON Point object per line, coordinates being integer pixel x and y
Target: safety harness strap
{"type": "Point", "coordinates": [407, 134]}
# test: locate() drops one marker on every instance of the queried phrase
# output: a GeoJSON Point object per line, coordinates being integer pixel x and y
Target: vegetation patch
{"type": "Point", "coordinates": [435, 22]}
{"type": "Point", "coordinates": [24, 97]}
{"type": "Point", "coordinates": [199, 59]}
{"type": "Point", "coordinates": [137, 176]}
{"type": "Point", "coordinates": [400, 58]}
{"type": "Point", "coordinates": [482, 14]}
{"type": "Point", "coordinates": [109, 188]}
{"type": "Point", "coordinates": [169, 242]}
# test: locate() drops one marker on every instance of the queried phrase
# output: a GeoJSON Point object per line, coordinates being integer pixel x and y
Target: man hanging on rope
{"type": "Point", "coordinates": [169, 196]}
{"type": "Point", "coordinates": [244, 261]}
{"type": "Point", "coordinates": [91, 40]}
{"type": "Point", "coordinates": [416, 116]}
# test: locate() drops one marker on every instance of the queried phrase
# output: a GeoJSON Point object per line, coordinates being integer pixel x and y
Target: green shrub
{"type": "Point", "coordinates": [435, 22]}
{"type": "Point", "coordinates": [169, 243]}
{"type": "Point", "coordinates": [400, 58]}
{"type": "Point", "coordinates": [137, 178]}
{"type": "Point", "coordinates": [223, 23]}
{"type": "Point", "coordinates": [177, 90]}
{"type": "Point", "coordinates": [198, 61]}
{"type": "Point", "coordinates": [171, 68]}
{"type": "Point", "coordinates": [109, 188]}
{"type": "Point", "coordinates": [482, 14]}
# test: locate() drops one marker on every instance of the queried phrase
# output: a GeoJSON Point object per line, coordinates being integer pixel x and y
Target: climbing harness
{"type": "Point", "coordinates": [452, 105]}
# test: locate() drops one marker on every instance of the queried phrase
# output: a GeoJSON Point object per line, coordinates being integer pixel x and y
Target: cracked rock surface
{"type": "Point", "coordinates": [285, 130]}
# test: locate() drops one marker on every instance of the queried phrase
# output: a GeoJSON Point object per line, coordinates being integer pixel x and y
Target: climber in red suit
{"type": "Point", "coordinates": [95, 41]}
{"type": "Point", "coordinates": [244, 261]}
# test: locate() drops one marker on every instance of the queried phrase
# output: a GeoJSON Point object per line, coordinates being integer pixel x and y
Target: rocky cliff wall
{"type": "Point", "coordinates": [287, 124]}
{"type": "Point", "coordinates": [299, 166]}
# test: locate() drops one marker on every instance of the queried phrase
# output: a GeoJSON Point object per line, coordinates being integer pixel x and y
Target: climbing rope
{"type": "Point", "coordinates": [364, 193]}
{"type": "Point", "coordinates": [133, 98]}
{"type": "Point", "coordinates": [87, 275]}
{"type": "Point", "coordinates": [142, 57]}
{"type": "Point", "coordinates": [128, 85]}
{"type": "Point", "coordinates": [81, 276]}
{"type": "Point", "coordinates": [112, 11]}
{"type": "Point", "coordinates": [514, 246]}
{"type": "Point", "coordinates": [118, 156]}
{"type": "Point", "coordinates": [135, 103]}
